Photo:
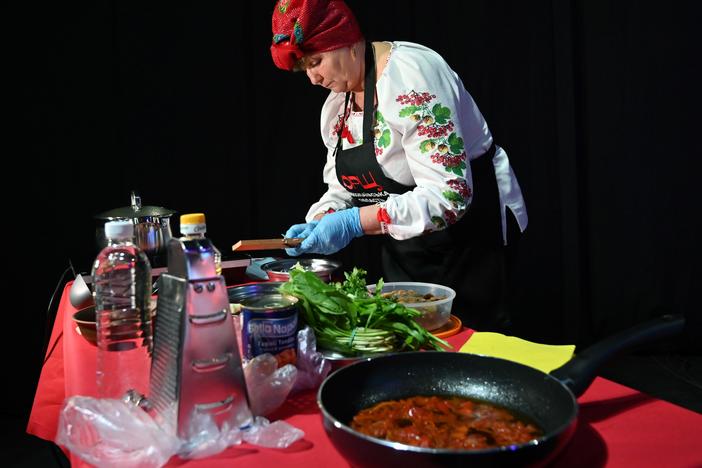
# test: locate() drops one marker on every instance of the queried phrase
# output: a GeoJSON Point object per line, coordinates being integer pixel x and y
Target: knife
{"type": "Point", "coordinates": [267, 244]}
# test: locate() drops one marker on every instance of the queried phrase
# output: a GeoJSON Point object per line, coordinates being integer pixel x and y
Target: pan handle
{"type": "Point", "coordinates": [580, 371]}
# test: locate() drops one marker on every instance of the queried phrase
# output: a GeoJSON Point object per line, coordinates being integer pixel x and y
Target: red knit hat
{"type": "Point", "coordinates": [307, 26]}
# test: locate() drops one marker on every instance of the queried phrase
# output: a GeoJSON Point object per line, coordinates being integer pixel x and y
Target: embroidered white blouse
{"type": "Point", "coordinates": [427, 129]}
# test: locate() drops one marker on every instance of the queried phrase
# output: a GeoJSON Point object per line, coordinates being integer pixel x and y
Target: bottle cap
{"type": "Point", "coordinates": [193, 223]}
{"type": "Point", "coordinates": [119, 230]}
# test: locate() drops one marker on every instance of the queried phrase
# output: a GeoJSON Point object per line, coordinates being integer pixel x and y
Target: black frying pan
{"type": "Point", "coordinates": [547, 399]}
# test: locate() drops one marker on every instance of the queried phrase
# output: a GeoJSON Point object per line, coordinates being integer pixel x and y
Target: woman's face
{"type": "Point", "coordinates": [337, 70]}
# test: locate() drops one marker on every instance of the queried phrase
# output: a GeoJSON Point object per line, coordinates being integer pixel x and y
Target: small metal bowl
{"type": "Point", "coordinates": [339, 360]}
{"type": "Point", "coordinates": [279, 270]}
{"type": "Point", "coordinates": [85, 319]}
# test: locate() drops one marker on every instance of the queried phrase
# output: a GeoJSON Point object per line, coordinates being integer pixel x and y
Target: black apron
{"type": "Point", "coordinates": [467, 256]}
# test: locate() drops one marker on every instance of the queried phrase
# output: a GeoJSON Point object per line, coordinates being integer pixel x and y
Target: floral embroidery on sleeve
{"type": "Point", "coordinates": [381, 132]}
{"type": "Point", "coordinates": [443, 146]}
{"type": "Point", "coordinates": [437, 129]}
{"type": "Point", "coordinates": [458, 193]}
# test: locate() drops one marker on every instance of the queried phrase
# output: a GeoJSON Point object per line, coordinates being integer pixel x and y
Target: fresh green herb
{"type": "Point", "coordinates": [346, 318]}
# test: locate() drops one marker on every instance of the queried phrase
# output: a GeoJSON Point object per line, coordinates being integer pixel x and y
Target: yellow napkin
{"type": "Point", "coordinates": [536, 355]}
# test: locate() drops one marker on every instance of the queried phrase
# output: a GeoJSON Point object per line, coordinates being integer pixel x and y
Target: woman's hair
{"type": "Point", "coordinates": [302, 27]}
{"type": "Point", "coordinates": [301, 64]}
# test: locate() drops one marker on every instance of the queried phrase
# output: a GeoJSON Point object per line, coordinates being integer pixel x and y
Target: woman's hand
{"type": "Point", "coordinates": [329, 235]}
{"type": "Point", "coordinates": [299, 231]}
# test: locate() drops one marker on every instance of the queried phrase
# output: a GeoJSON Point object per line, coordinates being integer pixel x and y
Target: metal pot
{"type": "Point", "coordinates": [279, 270]}
{"type": "Point", "coordinates": [152, 225]}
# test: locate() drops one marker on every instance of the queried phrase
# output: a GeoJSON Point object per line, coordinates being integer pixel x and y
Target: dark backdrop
{"type": "Point", "coordinates": [596, 103]}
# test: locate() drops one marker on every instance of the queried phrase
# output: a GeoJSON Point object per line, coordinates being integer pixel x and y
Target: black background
{"type": "Point", "coordinates": [596, 103]}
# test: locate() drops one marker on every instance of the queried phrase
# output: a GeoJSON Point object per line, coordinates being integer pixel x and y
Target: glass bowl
{"type": "Point", "coordinates": [435, 313]}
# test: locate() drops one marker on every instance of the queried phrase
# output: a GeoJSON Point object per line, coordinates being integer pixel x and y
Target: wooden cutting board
{"type": "Point", "coordinates": [266, 244]}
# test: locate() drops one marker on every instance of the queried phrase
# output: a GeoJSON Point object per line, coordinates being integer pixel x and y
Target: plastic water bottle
{"type": "Point", "coordinates": [122, 292]}
{"type": "Point", "coordinates": [193, 226]}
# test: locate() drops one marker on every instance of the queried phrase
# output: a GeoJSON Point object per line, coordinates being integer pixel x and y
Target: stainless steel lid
{"type": "Point", "coordinates": [136, 210]}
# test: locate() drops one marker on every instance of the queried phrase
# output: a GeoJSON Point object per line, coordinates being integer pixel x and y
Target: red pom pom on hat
{"type": "Point", "coordinates": [285, 55]}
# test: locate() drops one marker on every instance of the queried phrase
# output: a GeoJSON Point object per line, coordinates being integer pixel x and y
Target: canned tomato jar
{"type": "Point", "coordinates": [269, 325]}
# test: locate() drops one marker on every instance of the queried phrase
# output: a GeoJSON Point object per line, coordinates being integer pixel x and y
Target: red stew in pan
{"type": "Point", "coordinates": [444, 422]}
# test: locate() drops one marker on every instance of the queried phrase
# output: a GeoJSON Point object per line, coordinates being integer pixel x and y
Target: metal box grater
{"type": "Point", "coordinates": [196, 366]}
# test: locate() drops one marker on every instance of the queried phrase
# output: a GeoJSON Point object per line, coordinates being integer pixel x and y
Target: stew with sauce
{"type": "Point", "coordinates": [409, 296]}
{"type": "Point", "coordinates": [444, 422]}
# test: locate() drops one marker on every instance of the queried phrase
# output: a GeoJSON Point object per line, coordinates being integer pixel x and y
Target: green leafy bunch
{"type": "Point", "coordinates": [348, 319]}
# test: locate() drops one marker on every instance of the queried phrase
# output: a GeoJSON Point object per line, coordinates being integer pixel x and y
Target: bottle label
{"type": "Point", "coordinates": [188, 229]}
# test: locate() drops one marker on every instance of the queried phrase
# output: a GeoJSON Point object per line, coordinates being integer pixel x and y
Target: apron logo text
{"type": "Point", "coordinates": [366, 182]}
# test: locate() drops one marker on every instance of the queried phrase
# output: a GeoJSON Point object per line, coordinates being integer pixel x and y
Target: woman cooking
{"type": "Point", "coordinates": [409, 157]}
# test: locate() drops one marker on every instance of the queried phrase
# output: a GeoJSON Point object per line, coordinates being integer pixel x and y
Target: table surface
{"type": "Point", "coordinates": [617, 426]}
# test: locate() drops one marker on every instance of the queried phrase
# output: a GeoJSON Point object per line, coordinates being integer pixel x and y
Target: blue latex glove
{"type": "Point", "coordinates": [333, 232]}
{"type": "Point", "coordinates": [299, 230]}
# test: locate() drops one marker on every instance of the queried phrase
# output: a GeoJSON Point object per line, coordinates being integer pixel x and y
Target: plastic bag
{"type": "Point", "coordinates": [312, 368]}
{"type": "Point", "coordinates": [116, 433]}
{"type": "Point", "coordinates": [278, 434]}
{"type": "Point", "coordinates": [205, 438]}
{"type": "Point", "coordinates": [268, 386]}
{"type": "Point", "coordinates": [113, 433]}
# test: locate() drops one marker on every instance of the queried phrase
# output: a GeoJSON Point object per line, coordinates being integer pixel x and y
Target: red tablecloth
{"type": "Point", "coordinates": [617, 426]}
